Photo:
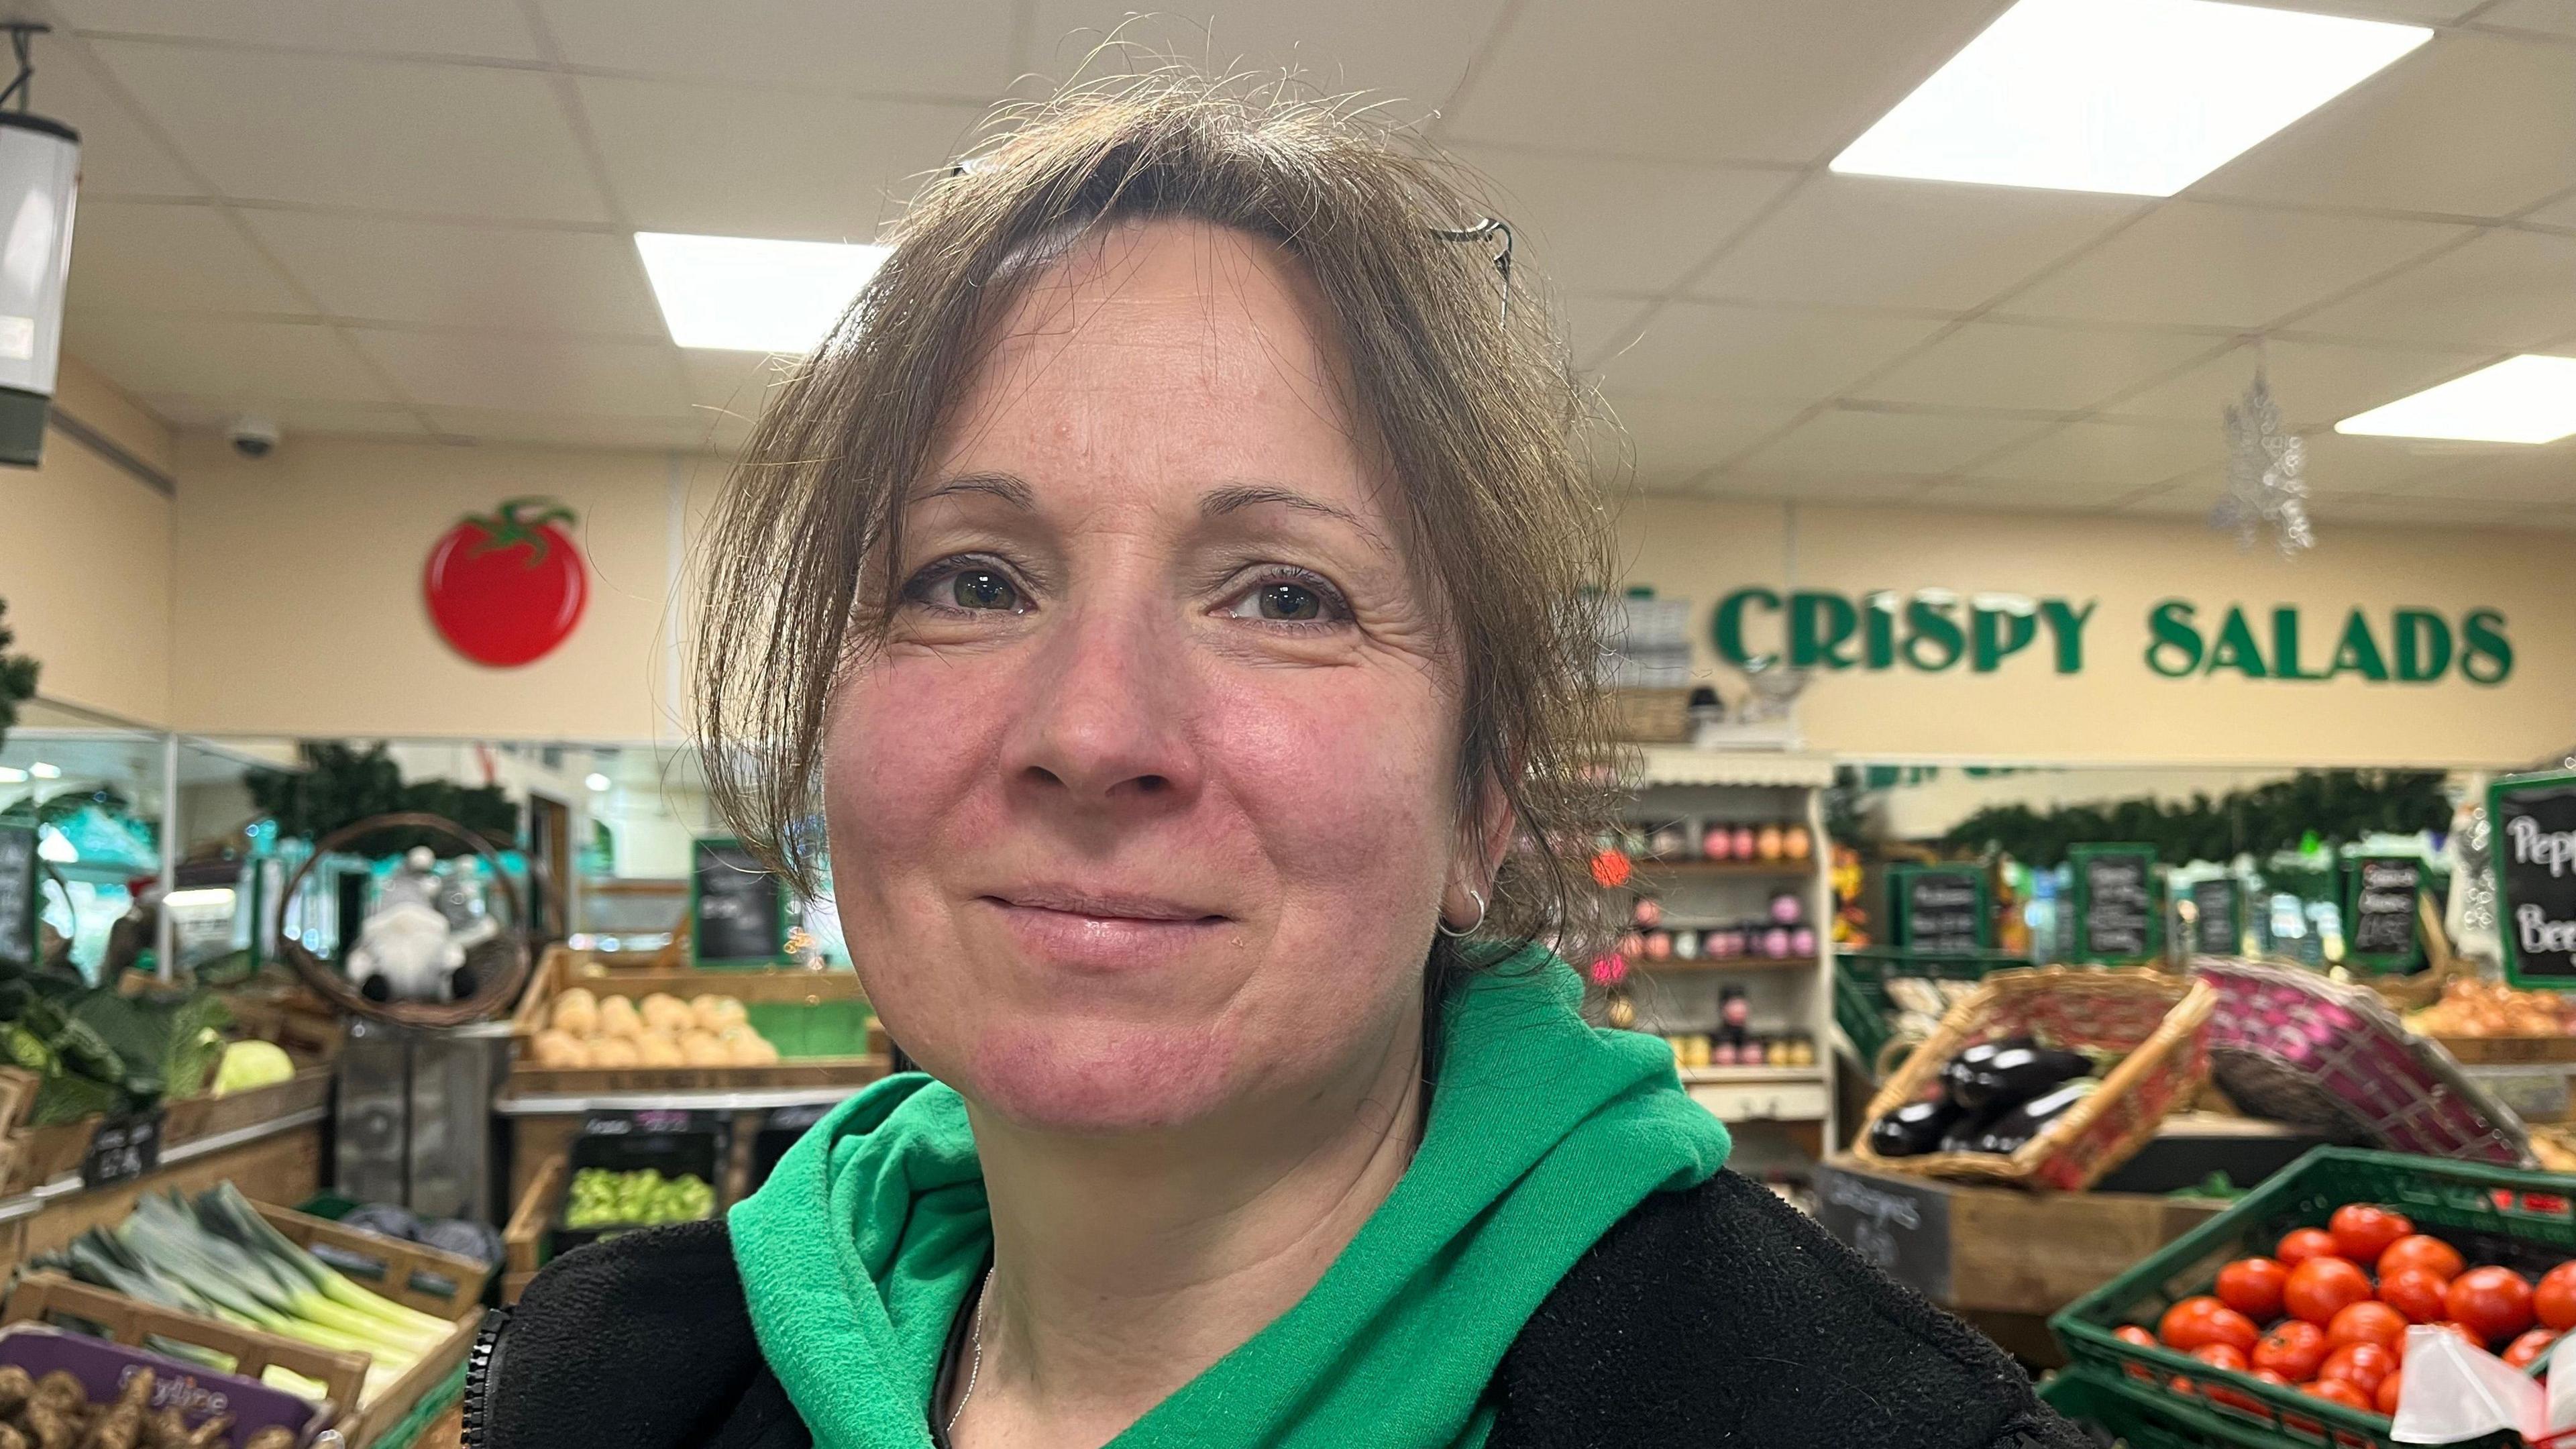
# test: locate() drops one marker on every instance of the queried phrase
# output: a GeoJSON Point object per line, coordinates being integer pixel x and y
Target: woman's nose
{"type": "Point", "coordinates": [1103, 717]}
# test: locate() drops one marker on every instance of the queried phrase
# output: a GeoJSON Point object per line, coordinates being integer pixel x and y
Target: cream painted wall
{"type": "Point", "coordinates": [298, 592]}
{"type": "Point", "coordinates": [2116, 709]}
{"type": "Point", "coordinates": [85, 559]}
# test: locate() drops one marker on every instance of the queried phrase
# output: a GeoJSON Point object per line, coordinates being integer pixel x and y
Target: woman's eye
{"type": "Point", "coordinates": [982, 589]}
{"type": "Point", "coordinates": [1289, 601]}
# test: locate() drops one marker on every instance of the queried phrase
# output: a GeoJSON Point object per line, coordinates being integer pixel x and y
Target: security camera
{"type": "Point", "coordinates": [254, 437]}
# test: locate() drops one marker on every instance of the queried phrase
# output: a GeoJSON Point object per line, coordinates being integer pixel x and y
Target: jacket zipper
{"type": "Point", "coordinates": [479, 1365]}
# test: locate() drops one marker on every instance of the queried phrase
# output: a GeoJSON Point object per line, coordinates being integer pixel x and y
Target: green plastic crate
{"type": "Point", "coordinates": [2145, 1418]}
{"type": "Point", "coordinates": [1862, 1007]}
{"type": "Point", "coordinates": [2524, 1220]}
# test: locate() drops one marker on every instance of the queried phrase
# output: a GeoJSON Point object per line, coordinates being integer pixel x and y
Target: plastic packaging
{"type": "Point", "coordinates": [2455, 1392]}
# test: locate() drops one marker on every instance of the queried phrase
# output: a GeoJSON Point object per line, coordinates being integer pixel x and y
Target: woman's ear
{"type": "Point", "coordinates": [1486, 835]}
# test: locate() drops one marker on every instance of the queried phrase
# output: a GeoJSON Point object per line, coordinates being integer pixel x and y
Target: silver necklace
{"type": "Point", "coordinates": [975, 1365]}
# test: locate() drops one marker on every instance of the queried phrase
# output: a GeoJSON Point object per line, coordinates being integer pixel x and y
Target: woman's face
{"type": "Point", "coordinates": [1145, 812]}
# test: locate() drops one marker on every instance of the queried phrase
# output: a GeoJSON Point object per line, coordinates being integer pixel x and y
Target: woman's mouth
{"type": "Point", "coordinates": [1101, 930]}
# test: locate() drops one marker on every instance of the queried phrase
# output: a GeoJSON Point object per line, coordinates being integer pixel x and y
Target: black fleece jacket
{"type": "Point", "coordinates": [1714, 1317]}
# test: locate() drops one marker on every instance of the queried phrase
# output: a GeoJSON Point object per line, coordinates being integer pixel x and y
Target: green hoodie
{"type": "Point", "coordinates": [858, 1252]}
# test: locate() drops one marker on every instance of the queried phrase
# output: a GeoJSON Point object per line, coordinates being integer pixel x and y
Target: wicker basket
{"type": "Point", "coordinates": [2157, 1020]}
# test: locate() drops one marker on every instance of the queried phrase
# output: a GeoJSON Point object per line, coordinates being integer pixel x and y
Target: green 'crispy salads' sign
{"type": "Point", "coordinates": [1936, 630]}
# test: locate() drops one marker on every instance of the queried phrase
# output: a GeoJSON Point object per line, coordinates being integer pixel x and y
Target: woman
{"type": "Point", "coordinates": [1164, 580]}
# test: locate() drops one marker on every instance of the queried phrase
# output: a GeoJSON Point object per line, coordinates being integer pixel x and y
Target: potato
{"type": "Point", "coordinates": [658, 1049]}
{"type": "Point", "coordinates": [576, 1012]}
{"type": "Point", "coordinates": [618, 1017]}
{"type": "Point", "coordinates": [557, 1048]}
{"type": "Point", "coordinates": [751, 1049]}
{"type": "Point", "coordinates": [664, 1012]}
{"type": "Point", "coordinates": [616, 1051]}
{"type": "Point", "coordinates": [705, 1049]}
{"type": "Point", "coordinates": [717, 1014]}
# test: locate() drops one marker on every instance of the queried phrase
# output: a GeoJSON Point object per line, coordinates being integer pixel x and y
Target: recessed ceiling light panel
{"type": "Point", "coordinates": [747, 294]}
{"type": "Point", "coordinates": [2141, 97]}
{"type": "Point", "coordinates": [2527, 399]}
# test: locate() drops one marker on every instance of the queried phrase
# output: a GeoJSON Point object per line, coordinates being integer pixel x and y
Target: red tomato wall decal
{"type": "Point", "coordinates": [506, 588]}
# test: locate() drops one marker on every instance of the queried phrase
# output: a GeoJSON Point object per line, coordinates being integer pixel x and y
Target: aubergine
{"type": "Point", "coordinates": [1913, 1129]}
{"type": "Point", "coordinates": [2014, 1076]}
{"type": "Point", "coordinates": [1975, 1058]}
{"type": "Point", "coordinates": [2013, 1129]}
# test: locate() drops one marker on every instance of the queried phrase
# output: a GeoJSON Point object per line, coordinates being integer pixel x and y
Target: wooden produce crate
{"type": "Point", "coordinates": [563, 968]}
{"type": "Point", "coordinates": [2510, 1051]}
{"type": "Point", "coordinates": [51, 1298]}
{"type": "Point", "coordinates": [37, 1155]}
{"type": "Point", "coordinates": [524, 1238]}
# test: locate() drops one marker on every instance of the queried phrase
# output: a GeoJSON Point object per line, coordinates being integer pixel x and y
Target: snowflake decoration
{"type": "Point", "coordinates": [2266, 476]}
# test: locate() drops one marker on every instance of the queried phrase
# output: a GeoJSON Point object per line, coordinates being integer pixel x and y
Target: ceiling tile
{"type": "Point", "coordinates": [2315, 383]}
{"type": "Point", "coordinates": [517, 278]}
{"type": "Point", "coordinates": [2019, 494]}
{"type": "Point", "coordinates": [2225, 266]}
{"type": "Point", "coordinates": [697, 158]}
{"type": "Point", "coordinates": [2470, 125]}
{"type": "Point", "coordinates": [730, 385]}
{"type": "Point", "coordinates": [2122, 457]}
{"type": "Point", "coordinates": [2421, 12]}
{"type": "Point", "coordinates": [220, 357]}
{"type": "Point", "coordinates": [293, 416]}
{"type": "Point", "coordinates": [119, 154]}
{"type": "Point", "coordinates": [581, 430]}
{"type": "Point", "coordinates": [1717, 80]}
{"type": "Point", "coordinates": [1414, 53]}
{"type": "Point", "coordinates": [2504, 290]}
{"type": "Point", "coordinates": [2540, 476]}
{"type": "Point", "coordinates": [2550, 17]}
{"type": "Point", "coordinates": [2344, 463]}
{"type": "Point", "coordinates": [1814, 487]}
{"type": "Point", "coordinates": [911, 47]}
{"type": "Point", "coordinates": [1594, 324]}
{"type": "Point", "coordinates": [487, 29]}
{"type": "Point", "coordinates": [1850, 441]}
{"type": "Point", "coordinates": [154, 258]}
{"type": "Point", "coordinates": [393, 135]}
{"type": "Point", "coordinates": [1711, 349]}
{"type": "Point", "coordinates": [1664, 442]}
{"type": "Point", "coordinates": [1873, 241]}
{"type": "Point", "coordinates": [1619, 226]}
{"type": "Point", "coordinates": [2058, 369]}
{"type": "Point", "coordinates": [611, 379]}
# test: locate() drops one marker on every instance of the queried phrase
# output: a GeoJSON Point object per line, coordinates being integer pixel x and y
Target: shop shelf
{"type": "Point", "coordinates": [2523, 1220]}
{"type": "Point", "coordinates": [1731, 1076]}
{"type": "Point", "coordinates": [1649, 870]}
{"type": "Point", "coordinates": [1725, 965]}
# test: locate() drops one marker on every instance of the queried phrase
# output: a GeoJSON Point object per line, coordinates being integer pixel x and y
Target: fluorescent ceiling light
{"type": "Point", "coordinates": [2527, 399]}
{"type": "Point", "coordinates": [43, 771]}
{"type": "Point", "coordinates": [2142, 97]}
{"type": "Point", "coordinates": [12, 775]}
{"type": "Point", "coordinates": [597, 781]}
{"type": "Point", "coordinates": [744, 294]}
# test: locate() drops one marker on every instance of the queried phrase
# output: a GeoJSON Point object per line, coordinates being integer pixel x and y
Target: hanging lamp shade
{"type": "Point", "coordinates": [39, 182]}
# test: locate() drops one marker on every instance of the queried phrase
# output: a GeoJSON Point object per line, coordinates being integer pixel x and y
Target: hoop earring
{"type": "Point", "coordinates": [1470, 928]}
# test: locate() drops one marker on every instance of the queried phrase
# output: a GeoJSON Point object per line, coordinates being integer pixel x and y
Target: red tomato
{"type": "Point", "coordinates": [2336, 1391]}
{"type": "Point", "coordinates": [2419, 1251]}
{"type": "Point", "coordinates": [2222, 1355]}
{"type": "Point", "coordinates": [2186, 1325]}
{"type": "Point", "coordinates": [2494, 1302]}
{"type": "Point", "coordinates": [2292, 1350]}
{"type": "Point", "coordinates": [2131, 1333]}
{"type": "Point", "coordinates": [2368, 1321]}
{"type": "Point", "coordinates": [2303, 1244]}
{"type": "Point", "coordinates": [2252, 1286]}
{"type": "Point", "coordinates": [2274, 1377]}
{"type": "Point", "coordinates": [2362, 1365]}
{"type": "Point", "coordinates": [2415, 1292]}
{"type": "Point", "coordinates": [2320, 1288]}
{"type": "Point", "coordinates": [2554, 1301]}
{"type": "Point", "coordinates": [2524, 1350]}
{"type": "Point", "coordinates": [506, 588]}
{"type": "Point", "coordinates": [2389, 1389]}
{"type": "Point", "coordinates": [2363, 1232]}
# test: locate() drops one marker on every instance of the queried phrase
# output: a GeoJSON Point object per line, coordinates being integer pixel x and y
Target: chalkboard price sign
{"type": "Point", "coordinates": [739, 906]}
{"type": "Point", "coordinates": [2115, 907]}
{"type": "Point", "coordinates": [17, 895]}
{"type": "Point", "coordinates": [2218, 916]}
{"type": "Point", "coordinates": [1938, 907]}
{"type": "Point", "coordinates": [2380, 922]}
{"type": "Point", "coordinates": [2534, 819]}
{"type": "Point", "coordinates": [1902, 1228]}
{"type": "Point", "coordinates": [121, 1150]}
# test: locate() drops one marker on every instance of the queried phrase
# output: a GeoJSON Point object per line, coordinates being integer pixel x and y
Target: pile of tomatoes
{"type": "Point", "coordinates": [2327, 1313]}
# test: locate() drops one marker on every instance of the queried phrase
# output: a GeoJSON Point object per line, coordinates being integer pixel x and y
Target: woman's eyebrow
{"type": "Point", "coordinates": [1009, 488]}
{"type": "Point", "coordinates": [1217, 502]}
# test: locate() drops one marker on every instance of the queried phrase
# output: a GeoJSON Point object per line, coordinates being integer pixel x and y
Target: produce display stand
{"type": "Point", "coordinates": [2521, 1219]}
{"type": "Point", "coordinates": [1866, 1012]}
{"type": "Point", "coordinates": [279, 1159]}
{"type": "Point", "coordinates": [57, 1301]}
{"type": "Point", "coordinates": [523, 1239]}
{"type": "Point", "coordinates": [2144, 1419]}
{"type": "Point", "coordinates": [38, 1155]}
{"type": "Point", "coordinates": [2001, 1257]}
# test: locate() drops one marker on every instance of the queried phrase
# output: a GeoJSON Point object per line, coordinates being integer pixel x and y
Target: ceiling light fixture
{"type": "Point", "coordinates": [2526, 399]}
{"type": "Point", "coordinates": [43, 771]}
{"type": "Point", "coordinates": [746, 294]}
{"type": "Point", "coordinates": [597, 781]}
{"type": "Point", "coordinates": [12, 775]}
{"type": "Point", "coordinates": [2140, 97]}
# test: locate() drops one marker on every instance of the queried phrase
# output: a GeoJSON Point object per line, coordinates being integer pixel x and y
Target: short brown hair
{"type": "Point", "coordinates": [1467, 401]}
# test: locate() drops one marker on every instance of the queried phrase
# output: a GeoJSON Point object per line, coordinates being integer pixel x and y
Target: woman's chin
{"type": "Point", "coordinates": [1098, 1077]}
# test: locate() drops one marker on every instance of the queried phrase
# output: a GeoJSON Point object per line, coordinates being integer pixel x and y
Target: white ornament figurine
{"type": "Point", "coordinates": [408, 950]}
{"type": "Point", "coordinates": [2266, 475]}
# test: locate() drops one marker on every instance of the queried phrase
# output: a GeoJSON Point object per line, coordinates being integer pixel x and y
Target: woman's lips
{"type": "Point", "coordinates": [1102, 931]}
